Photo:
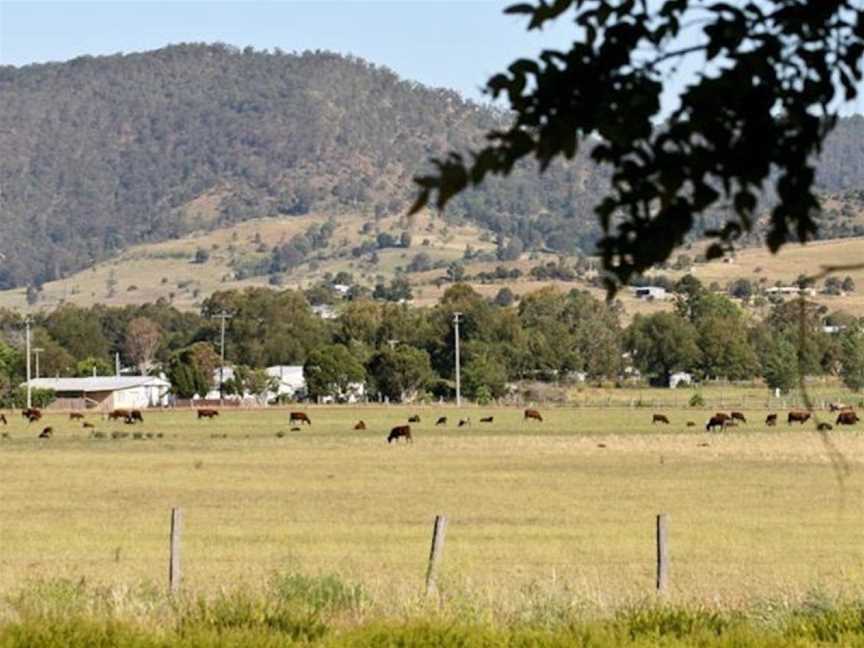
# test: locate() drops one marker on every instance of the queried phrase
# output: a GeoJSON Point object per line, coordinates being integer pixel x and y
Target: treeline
{"type": "Point", "coordinates": [402, 352]}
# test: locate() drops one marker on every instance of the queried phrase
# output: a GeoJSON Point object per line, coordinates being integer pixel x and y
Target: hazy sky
{"type": "Point", "coordinates": [456, 44]}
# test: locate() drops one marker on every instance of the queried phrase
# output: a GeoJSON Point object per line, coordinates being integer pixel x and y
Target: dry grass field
{"type": "Point", "coordinates": [566, 505]}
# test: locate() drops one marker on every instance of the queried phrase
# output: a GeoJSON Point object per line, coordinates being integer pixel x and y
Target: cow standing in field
{"type": "Point", "coordinates": [414, 419]}
{"type": "Point", "coordinates": [771, 420]}
{"type": "Point", "coordinates": [464, 422]}
{"type": "Point", "coordinates": [360, 425]}
{"type": "Point", "coordinates": [207, 413]}
{"type": "Point", "coordinates": [3, 419]}
{"type": "Point", "coordinates": [533, 414]}
{"type": "Point", "coordinates": [75, 416]}
{"type": "Point", "coordinates": [400, 432]}
{"type": "Point", "coordinates": [659, 418]}
{"type": "Point", "coordinates": [847, 418]}
{"type": "Point", "coordinates": [46, 433]}
{"type": "Point", "coordinates": [486, 419]}
{"type": "Point", "coordinates": [441, 421]}
{"type": "Point", "coordinates": [118, 414]}
{"type": "Point", "coordinates": [32, 414]}
{"type": "Point", "coordinates": [738, 416]}
{"type": "Point", "coordinates": [797, 417]}
{"type": "Point", "coordinates": [299, 417]}
{"type": "Point", "coordinates": [716, 422]}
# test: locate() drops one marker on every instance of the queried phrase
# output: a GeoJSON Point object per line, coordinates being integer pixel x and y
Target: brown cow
{"type": "Point", "coordinates": [75, 416]}
{"type": "Point", "coordinates": [3, 419]}
{"type": "Point", "coordinates": [207, 413]}
{"type": "Point", "coordinates": [533, 414]}
{"type": "Point", "coordinates": [715, 422]}
{"type": "Point", "coordinates": [300, 417]}
{"type": "Point", "coordinates": [86, 424]}
{"type": "Point", "coordinates": [400, 431]}
{"type": "Point", "coordinates": [847, 418]}
{"type": "Point", "coordinates": [691, 423]}
{"type": "Point", "coordinates": [824, 427]}
{"type": "Point", "coordinates": [118, 414]}
{"type": "Point", "coordinates": [441, 421]}
{"type": "Point", "coordinates": [464, 422]}
{"type": "Point", "coordinates": [486, 419]}
{"type": "Point", "coordinates": [797, 417]}
{"type": "Point", "coordinates": [414, 419]}
{"type": "Point", "coordinates": [360, 425]}
{"type": "Point", "coordinates": [46, 433]}
{"type": "Point", "coordinates": [738, 416]}
{"type": "Point", "coordinates": [31, 414]}
{"type": "Point", "coordinates": [659, 418]}
{"type": "Point", "coordinates": [771, 420]}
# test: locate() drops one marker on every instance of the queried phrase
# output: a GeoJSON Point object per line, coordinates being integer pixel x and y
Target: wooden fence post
{"type": "Point", "coordinates": [662, 553]}
{"type": "Point", "coordinates": [438, 532]}
{"type": "Point", "coordinates": [174, 563]}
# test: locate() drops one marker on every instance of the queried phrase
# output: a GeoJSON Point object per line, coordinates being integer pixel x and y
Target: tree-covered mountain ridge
{"type": "Point", "coordinates": [101, 153]}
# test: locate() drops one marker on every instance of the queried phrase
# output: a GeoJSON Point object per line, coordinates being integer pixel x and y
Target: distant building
{"type": "Point", "coordinates": [790, 290]}
{"type": "Point", "coordinates": [342, 289]}
{"type": "Point", "coordinates": [650, 292]}
{"type": "Point", "coordinates": [325, 311]}
{"type": "Point", "coordinates": [290, 383]}
{"type": "Point", "coordinates": [106, 392]}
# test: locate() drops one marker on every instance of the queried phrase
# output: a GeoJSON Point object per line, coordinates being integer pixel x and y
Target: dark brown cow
{"type": "Point", "coordinates": [31, 414]}
{"type": "Point", "coordinates": [533, 414]}
{"type": "Point", "coordinates": [414, 419]}
{"type": "Point", "coordinates": [691, 424]}
{"type": "Point", "coordinates": [716, 422]}
{"type": "Point", "coordinates": [847, 418]}
{"type": "Point", "coordinates": [299, 417]}
{"type": "Point", "coordinates": [207, 413]}
{"type": "Point", "coordinates": [771, 420]}
{"type": "Point", "coordinates": [824, 427]}
{"type": "Point", "coordinates": [797, 417]}
{"type": "Point", "coordinates": [659, 418]}
{"type": "Point", "coordinates": [88, 425]}
{"type": "Point", "coordinates": [360, 425]}
{"type": "Point", "coordinates": [75, 416]}
{"type": "Point", "coordinates": [464, 422]}
{"type": "Point", "coordinates": [486, 419]}
{"type": "Point", "coordinates": [3, 419]}
{"type": "Point", "coordinates": [46, 433]}
{"type": "Point", "coordinates": [441, 421]}
{"type": "Point", "coordinates": [400, 432]}
{"type": "Point", "coordinates": [738, 416]}
{"type": "Point", "coordinates": [118, 414]}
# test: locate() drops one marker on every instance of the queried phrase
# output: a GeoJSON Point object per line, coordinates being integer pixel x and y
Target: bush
{"type": "Point", "coordinates": [696, 400]}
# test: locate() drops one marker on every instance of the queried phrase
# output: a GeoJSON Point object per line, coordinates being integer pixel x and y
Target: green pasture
{"type": "Point", "coordinates": [566, 505]}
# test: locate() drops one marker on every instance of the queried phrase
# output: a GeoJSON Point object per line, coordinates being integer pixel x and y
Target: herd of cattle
{"type": "Point", "coordinates": [719, 421]}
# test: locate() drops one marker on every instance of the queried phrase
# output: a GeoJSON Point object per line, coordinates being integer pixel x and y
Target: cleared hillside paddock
{"type": "Point", "coordinates": [570, 500]}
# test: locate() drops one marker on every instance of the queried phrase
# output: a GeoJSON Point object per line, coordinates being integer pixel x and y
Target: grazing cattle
{"type": "Point", "coordinates": [533, 414]}
{"type": "Point", "coordinates": [824, 427]}
{"type": "Point", "coordinates": [3, 419]}
{"type": "Point", "coordinates": [716, 422]}
{"type": "Point", "coordinates": [46, 433]}
{"type": "Point", "coordinates": [75, 416]}
{"type": "Point", "coordinates": [414, 419]}
{"type": "Point", "coordinates": [771, 420]}
{"type": "Point", "coordinates": [847, 418]}
{"type": "Point", "coordinates": [31, 414]}
{"type": "Point", "coordinates": [87, 424]}
{"type": "Point", "coordinates": [118, 414]}
{"type": "Point", "coordinates": [360, 425]}
{"type": "Point", "coordinates": [207, 413]}
{"type": "Point", "coordinates": [464, 422]}
{"type": "Point", "coordinates": [441, 421]}
{"type": "Point", "coordinates": [738, 416]}
{"type": "Point", "coordinates": [691, 423]}
{"type": "Point", "coordinates": [400, 431]}
{"type": "Point", "coordinates": [659, 418]}
{"type": "Point", "coordinates": [486, 419]}
{"type": "Point", "coordinates": [797, 417]}
{"type": "Point", "coordinates": [299, 417]}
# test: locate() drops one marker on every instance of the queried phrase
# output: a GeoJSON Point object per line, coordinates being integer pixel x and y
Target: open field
{"type": "Point", "coordinates": [567, 503]}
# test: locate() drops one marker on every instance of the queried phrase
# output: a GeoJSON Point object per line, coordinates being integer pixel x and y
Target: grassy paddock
{"type": "Point", "coordinates": [567, 504]}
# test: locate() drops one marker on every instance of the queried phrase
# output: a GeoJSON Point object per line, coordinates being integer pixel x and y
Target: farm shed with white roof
{"type": "Point", "coordinates": [106, 392]}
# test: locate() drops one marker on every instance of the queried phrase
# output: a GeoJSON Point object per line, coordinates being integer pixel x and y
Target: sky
{"type": "Point", "coordinates": [457, 44]}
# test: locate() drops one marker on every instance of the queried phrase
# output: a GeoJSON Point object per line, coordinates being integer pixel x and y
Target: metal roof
{"type": "Point", "coordinates": [97, 383]}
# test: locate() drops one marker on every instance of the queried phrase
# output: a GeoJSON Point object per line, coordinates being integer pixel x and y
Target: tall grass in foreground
{"type": "Point", "coordinates": [296, 609]}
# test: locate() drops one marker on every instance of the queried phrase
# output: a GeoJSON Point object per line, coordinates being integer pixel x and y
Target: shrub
{"type": "Point", "coordinates": [696, 400]}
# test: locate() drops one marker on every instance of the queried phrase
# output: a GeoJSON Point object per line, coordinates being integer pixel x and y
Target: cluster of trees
{"type": "Point", "coordinates": [400, 351]}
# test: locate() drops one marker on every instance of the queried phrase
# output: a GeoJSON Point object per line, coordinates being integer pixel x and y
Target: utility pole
{"type": "Point", "coordinates": [223, 316]}
{"type": "Point", "coordinates": [27, 338]}
{"type": "Point", "coordinates": [36, 352]}
{"type": "Point", "coordinates": [456, 317]}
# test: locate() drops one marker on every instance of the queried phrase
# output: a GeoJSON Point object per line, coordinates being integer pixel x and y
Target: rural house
{"type": "Point", "coordinates": [105, 392]}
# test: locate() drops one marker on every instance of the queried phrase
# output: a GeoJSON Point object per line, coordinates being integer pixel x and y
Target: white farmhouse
{"type": "Point", "coordinates": [106, 392]}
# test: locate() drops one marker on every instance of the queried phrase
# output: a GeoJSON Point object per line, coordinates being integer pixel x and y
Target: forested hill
{"type": "Point", "coordinates": [100, 153]}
